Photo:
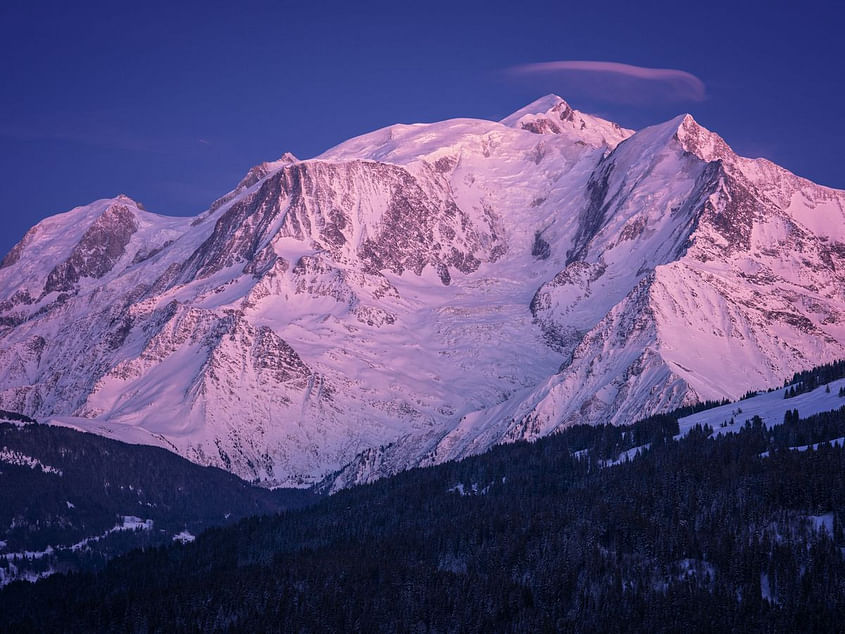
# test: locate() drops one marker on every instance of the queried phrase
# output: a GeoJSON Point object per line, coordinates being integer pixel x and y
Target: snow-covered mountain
{"type": "Point", "coordinates": [424, 291]}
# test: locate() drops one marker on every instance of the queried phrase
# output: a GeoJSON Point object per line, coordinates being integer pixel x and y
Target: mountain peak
{"type": "Point", "coordinates": [127, 200]}
{"type": "Point", "coordinates": [255, 174]}
{"type": "Point", "coordinates": [691, 136]}
{"type": "Point", "coordinates": [553, 115]}
{"type": "Point", "coordinates": [698, 140]}
{"type": "Point", "coordinates": [551, 106]}
{"type": "Point", "coordinates": [539, 106]}
{"type": "Point", "coordinates": [370, 309]}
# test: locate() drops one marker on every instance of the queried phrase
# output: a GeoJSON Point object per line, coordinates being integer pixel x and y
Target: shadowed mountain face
{"type": "Point", "coordinates": [425, 291]}
{"type": "Point", "coordinates": [71, 501]}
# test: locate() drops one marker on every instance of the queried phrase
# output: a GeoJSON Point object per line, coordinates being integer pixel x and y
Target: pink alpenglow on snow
{"type": "Point", "coordinates": [422, 292]}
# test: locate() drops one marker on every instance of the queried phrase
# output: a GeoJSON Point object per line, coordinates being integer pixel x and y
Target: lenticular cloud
{"type": "Point", "coordinates": [619, 82]}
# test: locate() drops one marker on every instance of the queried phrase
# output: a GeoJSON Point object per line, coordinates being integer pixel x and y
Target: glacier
{"type": "Point", "coordinates": [423, 292]}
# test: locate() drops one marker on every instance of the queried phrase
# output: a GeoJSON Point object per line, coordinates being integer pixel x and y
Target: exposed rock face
{"type": "Point", "coordinates": [422, 292]}
{"type": "Point", "coordinates": [102, 244]}
{"type": "Point", "coordinates": [413, 223]}
{"type": "Point", "coordinates": [15, 254]}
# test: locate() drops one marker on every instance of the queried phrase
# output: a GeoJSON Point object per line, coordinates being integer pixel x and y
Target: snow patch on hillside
{"type": "Point", "coordinates": [12, 457]}
{"type": "Point", "coordinates": [769, 406]}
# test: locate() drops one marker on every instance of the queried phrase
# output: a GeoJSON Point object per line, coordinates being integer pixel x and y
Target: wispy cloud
{"type": "Point", "coordinates": [617, 82]}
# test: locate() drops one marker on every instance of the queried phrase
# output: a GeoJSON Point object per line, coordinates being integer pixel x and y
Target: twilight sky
{"type": "Point", "coordinates": [172, 104]}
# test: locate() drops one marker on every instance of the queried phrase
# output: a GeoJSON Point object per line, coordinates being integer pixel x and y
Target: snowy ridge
{"type": "Point", "coordinates": [421, 292]}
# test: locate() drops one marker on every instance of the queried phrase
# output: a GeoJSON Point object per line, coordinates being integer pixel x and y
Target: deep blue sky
{"type": "Point", "coordinates": [172, 104]}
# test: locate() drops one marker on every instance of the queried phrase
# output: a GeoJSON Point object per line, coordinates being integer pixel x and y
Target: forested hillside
{"type": "Point", "coordinates": [595, 529]}
{"type": "Point", "coordinates": [70, 500]}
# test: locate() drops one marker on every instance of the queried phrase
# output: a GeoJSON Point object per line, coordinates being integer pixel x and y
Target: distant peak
{"type": "Point", "coordinates": [543, 105]}
{"type": "Point", "coordinates": [257, 172]}
{"type": "Point", "coordinates": [698, 140]}
{"type": "Point", "coordinates": [552, 115]}
{"type": "Point", "coordinates": [547, 102]}
{"type": "Point", "coordinates": [254, 175]}
{"type": "Point", "coordinates": [685, 132]}
{"type": "Point", "coordinates": [127, 200]}
{"type": "Point", "coordinates": [265, 168]}
{"type": "Point", "coordinates": [685, 123]}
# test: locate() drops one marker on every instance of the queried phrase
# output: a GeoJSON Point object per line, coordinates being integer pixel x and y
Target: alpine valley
{"type": "Point", "coordinates": [424, 292]}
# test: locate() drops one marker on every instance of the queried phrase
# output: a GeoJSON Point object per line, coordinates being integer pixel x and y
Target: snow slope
{"type": "Point", "coordinates": [424, 291]}
{"type": "Point", "coordinates": [769, 406]}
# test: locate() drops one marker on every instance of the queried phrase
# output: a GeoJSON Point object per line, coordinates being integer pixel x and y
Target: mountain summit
{"type": "Point", "coordinates": [422, 292]}
{"type": "Point", "coordinates": [552, 115]}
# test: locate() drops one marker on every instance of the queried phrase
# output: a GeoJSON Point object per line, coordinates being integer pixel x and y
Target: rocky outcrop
{"type": "Point", "coordinates": [101, 246]}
